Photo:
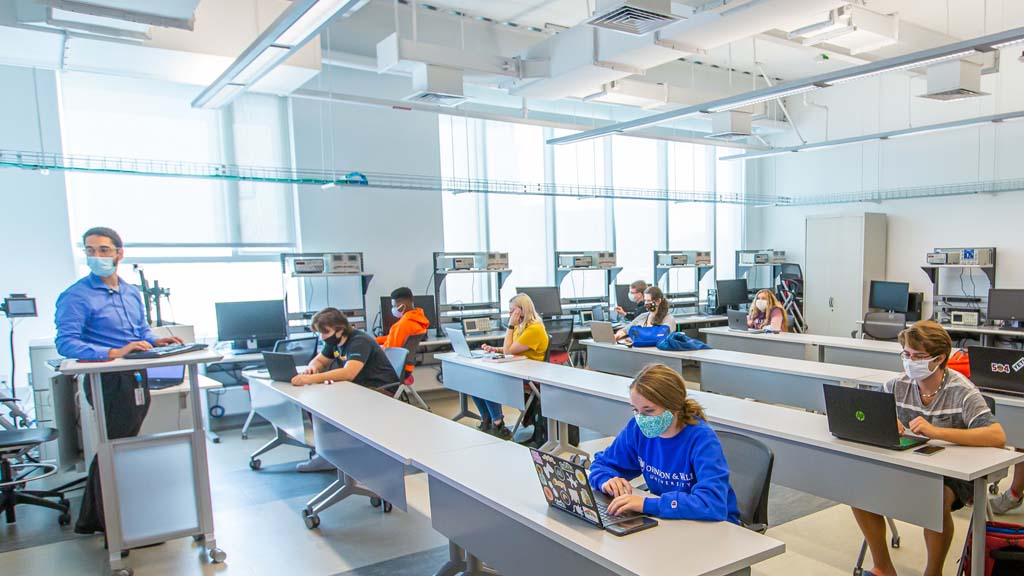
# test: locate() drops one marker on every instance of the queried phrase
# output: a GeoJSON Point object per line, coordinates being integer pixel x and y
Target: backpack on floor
{"type": "Point", "coordinates": [1004, 550]}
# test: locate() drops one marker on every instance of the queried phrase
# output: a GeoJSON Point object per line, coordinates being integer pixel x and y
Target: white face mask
{"type": "Point", "coordinates": [762, 305]}
{"type": "Point", "coordinates": [918, 369]}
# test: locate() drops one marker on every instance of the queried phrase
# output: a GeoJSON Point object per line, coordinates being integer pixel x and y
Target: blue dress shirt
{"type": "Point", "coordinates": [92, 318]}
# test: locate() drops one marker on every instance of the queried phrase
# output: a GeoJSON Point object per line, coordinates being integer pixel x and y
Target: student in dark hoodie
{"type": "Point", "coordinates": [673, 447]}
{"type": "Point", "coordinates": [411, 322]}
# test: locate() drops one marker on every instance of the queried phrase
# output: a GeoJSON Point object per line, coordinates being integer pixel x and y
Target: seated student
{"type": "Point", "coordinates": [635, 307]}
{"type": "Point", "coordinates": [527, 337]}
{"type": "Point", "coordinates": [766, 311]}
{"type": "Point", "coordinates": [671, 444]}
{"type": "Point", "coordinates": [941, 404]}
{"type": "Point", "coordinates": [348, 355]}
{"type": "Point", "coordinates": [656, 315]}
{"type": "Point", "coordinates": [411, 322]}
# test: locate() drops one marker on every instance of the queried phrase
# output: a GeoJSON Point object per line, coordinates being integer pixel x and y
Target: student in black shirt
{"type": "Point", "coordinates": [348, 355]}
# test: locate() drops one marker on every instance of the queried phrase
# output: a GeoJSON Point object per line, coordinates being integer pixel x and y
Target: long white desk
{"type": "Point", "coordinates": [808, 458]}
{"type": "Point", "coordinates": [769, 378]}
{"type": "Point", "coordinates": [488, 500]}
{"type": "Point", "coordinates": [875, 354]}
{"type": "Point", "coordinates": [132, 470]}
{"type": "Point", "coordinates": [370, 437]}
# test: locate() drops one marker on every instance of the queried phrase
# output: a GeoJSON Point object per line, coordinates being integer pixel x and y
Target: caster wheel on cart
{"type": "Point", "coordinates": [312, 520]}
{"type": "Point", "coordinates": [64, 519]}
{"type": "Point", "coordinates": [255, 464]}
{"type": "Point", "coordinates": [217, 555]}
{"type": "Point", "coordinates": [245, 436]}
{"type": "Point", "coordinates": [993, 489]}
{"type": "Point", "coordinates": [123, 572]}
{"type": "Point", "coordinates": [375, 502]}
{"type": "Point", "coordinates": [388, 507]}
{"type": "Point", "coordinates": [895, 542]}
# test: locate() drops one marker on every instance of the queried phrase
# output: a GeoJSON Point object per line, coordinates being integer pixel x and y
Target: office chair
{"type": "Point", "coordinates": [883, 326]}
{"type": "Point", "coordinates": [791, 291]}
{"type": "Point", "coordinates": [397, 358]}
{"type": "Point", "coordinates": [303, 349]}
{"type": "Point", "coordinates": [14, 446]}
{"type": "Point", "coordinates": [750, 474]}
{"type": "Point", "coordinates": [560, 341]}
{"type": "Point", "coordinates": [404, 390]}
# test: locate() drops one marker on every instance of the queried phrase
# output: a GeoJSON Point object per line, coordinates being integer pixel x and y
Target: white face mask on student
{"type": "Point", "coordinates": [762, 305]}
{"type": "Point", "coordinates": [918, 369]}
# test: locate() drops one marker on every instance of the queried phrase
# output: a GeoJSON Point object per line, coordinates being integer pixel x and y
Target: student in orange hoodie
{"type": "Point", "coordinates": [411, 321]}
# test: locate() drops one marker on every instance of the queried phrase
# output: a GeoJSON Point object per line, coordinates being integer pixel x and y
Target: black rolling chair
{"type": "Point", "coordinates": [560, 340]}
{"type": "Point", "coordinates": [14, 445]}
{"type": "Point", "coordinates": [750, 474]}
{"type": "Point", "coordinates": [883, 326]}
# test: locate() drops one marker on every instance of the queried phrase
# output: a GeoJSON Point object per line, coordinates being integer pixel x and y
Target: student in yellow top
{"type": "Point", "coordinates": [526, 336]}
{"type": "Point", "coordinates": [767, 312]}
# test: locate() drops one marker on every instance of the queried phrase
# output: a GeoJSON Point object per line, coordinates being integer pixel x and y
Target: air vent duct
{"type": "Point", "coordinates": [731, 125]}
{"type": "Point", "coordinates": [954, 80]}
{"type": "Point", "coordinates": [636, 17]}
{"type": "Point", "coordinates": [437, 85]}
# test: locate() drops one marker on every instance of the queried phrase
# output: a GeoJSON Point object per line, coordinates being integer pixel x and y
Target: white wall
{"type": "Point", "coordinates": [989, 152]}
{"type": "Point", "coordinates": [34, 231]}
{"type": "Point", "coordinates": [397, 230]}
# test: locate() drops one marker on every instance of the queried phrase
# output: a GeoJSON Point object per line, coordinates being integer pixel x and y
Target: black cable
{"type": "Point", "coordinates": [13, 372]}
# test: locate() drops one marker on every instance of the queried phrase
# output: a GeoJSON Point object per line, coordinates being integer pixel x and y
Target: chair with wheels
{"type": "Point", "coordinates": [404, 390]}
{"type": "Point", "coordinates": [750, 474]}
{"type": "Point", "coordinates": [14, 447]}
{"type": "Point", "coordinates": [883, 325]}
{"type": "Point", "coordinates": [560, 340]}
{"type": "Point", "coordinates": [303, 349]}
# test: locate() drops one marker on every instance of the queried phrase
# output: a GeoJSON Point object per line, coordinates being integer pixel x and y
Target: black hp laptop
{"type": "Point", "coordinates": [280, 366]}
{"type": "Point", "coordinates": [566, 488]}
{"type": "Point", "coordinates": [865, 416]}
{"type": "Point", "coordinates": [997, 369]}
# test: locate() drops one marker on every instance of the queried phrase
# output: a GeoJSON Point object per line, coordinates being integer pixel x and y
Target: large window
{"type": "Point", "coordinates": [638, 223]}
{"type": "Point", "coordinates": [523, 226]}
{"type": "Point", "coordinates": [206, 240]}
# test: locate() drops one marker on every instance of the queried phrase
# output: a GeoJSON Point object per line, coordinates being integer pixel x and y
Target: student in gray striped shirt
{"type": "Point", "coordinates": [941, 404]}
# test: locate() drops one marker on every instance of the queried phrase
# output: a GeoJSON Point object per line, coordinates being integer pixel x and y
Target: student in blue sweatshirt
{"type": "Point", "coordinates": [669, 442]}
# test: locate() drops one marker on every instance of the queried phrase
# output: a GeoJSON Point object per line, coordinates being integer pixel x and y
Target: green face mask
{"type": "Point", "coordinates": [654, 426]}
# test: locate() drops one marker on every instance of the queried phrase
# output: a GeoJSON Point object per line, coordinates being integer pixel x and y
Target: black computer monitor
{"type": "Point", "coordinates": [546, 299]}
{"type": "Point", "coordinates": [425, 301]}
{"type": "Point", "coordinates": [622, 296]}
{"type": "Point", "coordinates": [1005, 304]}
{"type": "Point", "coordinates": [261, 321]}
{"type": "Point", "coordinates": [891, 296]}
{"type": "Point", "coordinates": [732, 292]}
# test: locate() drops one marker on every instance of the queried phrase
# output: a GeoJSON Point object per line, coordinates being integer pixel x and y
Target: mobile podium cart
{"type": "Point", "coordinates": [155, 487]}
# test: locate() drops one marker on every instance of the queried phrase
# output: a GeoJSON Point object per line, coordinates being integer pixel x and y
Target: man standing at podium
{"type": "Point", "coordinates": [99, 318]}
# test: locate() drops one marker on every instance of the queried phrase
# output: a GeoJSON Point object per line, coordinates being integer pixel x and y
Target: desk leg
{"type": "Point", "coordinates": [205, 408]}
{"type": "Point", "coordinates": [456, 561]}
{"type": "Point", "coordinates": [978, 527]}
{"type": "Point", "coordinates": [474, 567]}
{"type": "Point", "coordinates": [201, 473]}
{"type": "Point", "coordinates": [464, 411]}
{"type": "Point", "coordinates": [558, 440]}
{"type": "Point", "coordinates": [108, 486]}
{"type": "Point", "coordinates": [337, 491]}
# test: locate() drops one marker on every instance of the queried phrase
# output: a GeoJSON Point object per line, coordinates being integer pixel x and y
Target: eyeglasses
{"type": "Point", "coordinates": [101, 251]}
{"type": "Point", "coordinates": [919, 356]}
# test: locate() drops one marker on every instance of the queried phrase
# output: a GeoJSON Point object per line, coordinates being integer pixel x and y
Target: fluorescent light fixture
{"type": "Point", "coordinates": [758, 100]}
{"type": "Point", "coordinates": [892, 134]}
{"type": "Point", "coordinates": [908, 66]}
{"type": "Point", "coordinates": [299, 22]}
{"type": "Point", "coordinates": [1007, 43]}
{"type": "Point", "coordinates": [261, 64]}
{"type": "Point", "coordinates": [904, 62]}
{"type": "Point", "coordinates": [314, 19]}
{"type": "Point", "coordinates": [225, 95]}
